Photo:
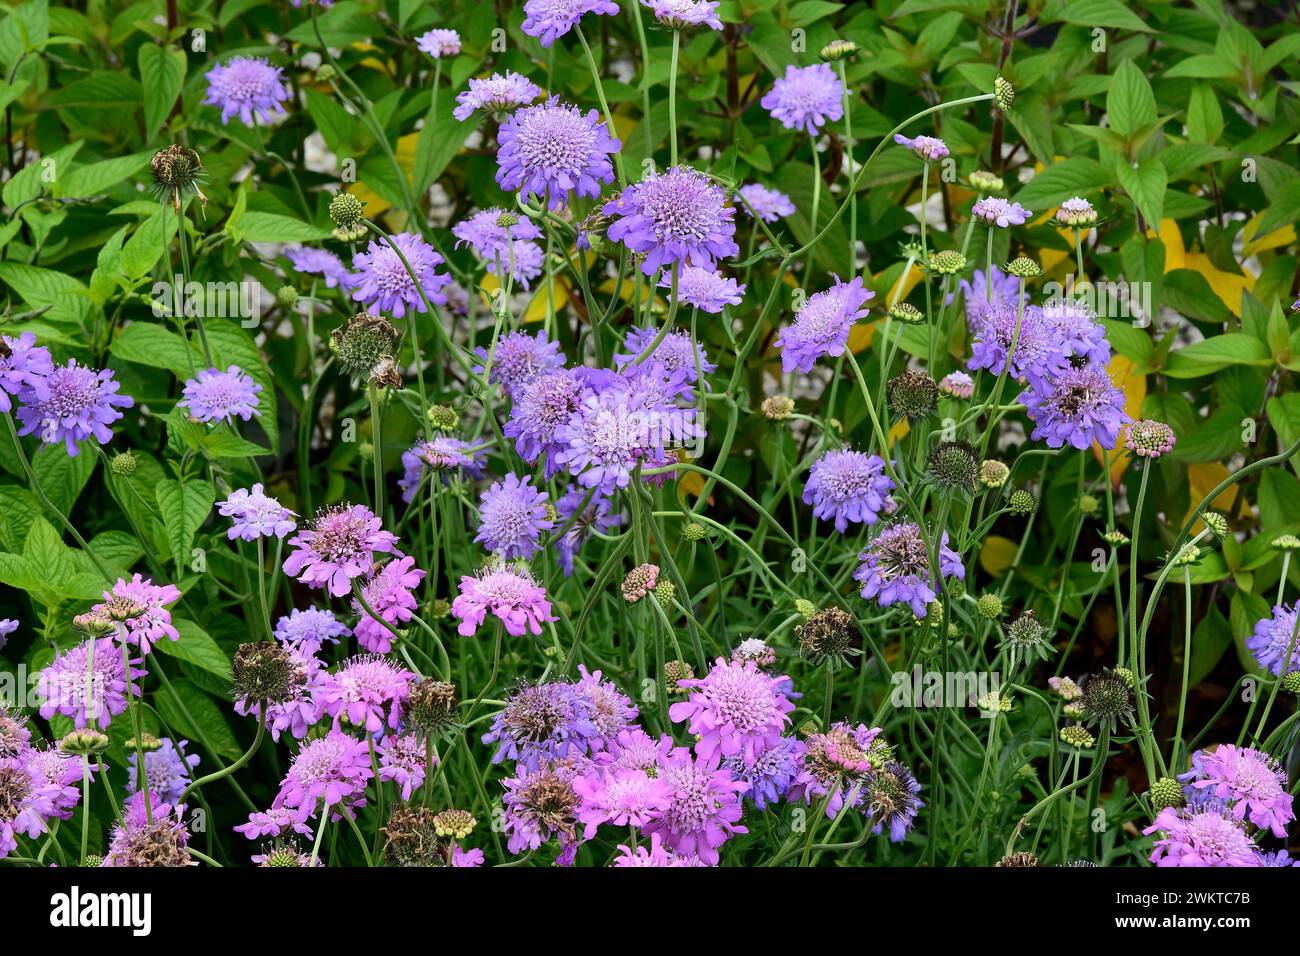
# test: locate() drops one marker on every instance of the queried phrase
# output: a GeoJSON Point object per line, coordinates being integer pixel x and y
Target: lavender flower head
{"type": "Point", "coordinates": [980, 299]}
{"type": "Point", "coordinates": [510, 594]}
{"type": "Point", "coordinates": [247, 86]}
{"type": "Point", "coordinates": [771, 773]}
{"type": "Point", "coordinates": [319, 262]}
{"type": "Point", "coordinates": [1080, 334]}
{"type": "Point", "coordinates": [256, 515]}
{"type": "Point", "coordinates": [26, 802]}
{"type": "Point", "coordinates": [63, 772]}
{"type": "Point", "coordinates": [685, 14]}
{"type": "Point", "coordinates": [308, 630]}
{"type": "Point", "coordinates": [1200, 834]}
{"type": "Point", "coordinates": [548, 20]}
{"type": "Point", "coordinates": [848, 486]}
{"type": "Point", "coordinates": [439, 43]}
{"type": "Point", "coordinates": [541, 722]}
{"type": "Point", "coordinates": [769, 205]}
{"type": "Point", "coordinates": [1276, 641]}
{"type": "Point", "coordinates": [339, 544]}
{"type": "Point", "coordinates": [995, 211]}
{"type": "Point", "coordinates": [498, 93]}
{"type": "Point", "coordinates": [822, 326]}
{"type": "Point", "coordinates": [734, 710]}
{"type": "Point", "coordinates": [403, 758]}
{"type": "Point", "coordinates": [22, 364]}
{"type": "Point", "coordinates": [1078, 406]}
{"type": "Point", "coordinates": [678, 352]}
{"type": "Point", "coordinates": [1251, 782]}
{"type": "Point", "coordinates": [301, 707]}
{"type": "Point", "coordinates": [896, 567]}
{"type": "Point", "coordinates": [1038, 348]}
{"type": "Point", "coordinates": [704, 807]}
{"type": "Point", "coordinates": [553, 150]}
{"type": "Point", "coordinates": [506, 249]}
{"type": "Point", "coordinates": [381, 282]}
{"type": "Point", "coordinates": [88, 686]}
{"type": "Point", "coordinates": [70, 404]}
{"type": "Point", "coordinates": [389, 592]}
{"type": "Point", "coordinates": [327, 771]}
{"type": "Point", "coordinates": [518, 357]}
{"type": "Point", "coordinates": [594, 513]}
{"type": "Point", "coordinates": [141, 605]}
{"type": "Point", "coordinates": [513, 515]}
{"type": "Point", "coordinates": [168, 769]}
{"type": "Point", "coordinates": [367, 691]}
{"type": "Point", "coordinates": [540, 405]}
{"type": "Point", "coordinates": [704, 289]}
{"type": "Point", "coordinates": [927, 148]}
{"type": "Point", "coordinates": [440, 455]}
{"type": "Point", "coordinates": [838, 755]}
{"type": "Point", "coordinates": [806, 97]}
{"type": "Point", "coordinates": [215, 395]}
{"type": "Point", "coordinates": [621, 798]}
{"type": "Point", "coordinates": [273, 823]}
{"type": "Point", "coordinates": [678, 216]}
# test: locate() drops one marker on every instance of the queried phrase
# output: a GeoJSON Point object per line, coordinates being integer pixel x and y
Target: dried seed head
{"type": "Point", "coordinates": [1021, 859]}
{"type": "Point", "coordinates": [177, 170]}
{"type": "Point", "coordinates": [431, 707]}
{"type": "Point", "coordinates": [263, 672]}
{"type": "Point", "coordinates": [827, 637]}
{"type": "Point", "coordinates": [912, 395]}
{"type": "Point", "coordinates": [954, 466]}
{"type": "Point", "coordinates": [363, 342]}
{"type": "Point", "coordinates": [411, 839]}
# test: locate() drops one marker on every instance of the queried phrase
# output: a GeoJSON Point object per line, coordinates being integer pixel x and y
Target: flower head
{"type": "Point", "coordinates": [87, 683]}
{"type": "Point", "coordinates": [22, 364]}
{"type": "Point", "coordinates": [1201, 834]}
{"type": "Point", "coordinates": [256, 515]}
{"type": "Point", "coordinates": [822, 326]}
{"type": "Point", "coordinates": [677, 216]}
{"type": "Point", "coordinates": [704, 805]}
{"type": "Point", "coordinates": [510, 594]}
{"type": "Point", "coordinates": [513, 515]}
{"type": "Point", "coordinates": [620, 797]}
{"type": "Point", "coordinates": [26, 802]}
{"type": "Point", "coordinates": [1251, 782]}
{"type": "Point", "coordinates": [548, 20]}
{"type": "Point", "coordinates": [927, 148]}
{"type": "Point", "coordinates": [896, 567]}
{"type": "Point", "coordinates": [848, 486]}
{"type": "Point", "coordinates": [439, 43]}
{"type": "Point", "coordinates": [1148, 438]}
{"type": "Point", "coordinates": [1276, 641]}
{"type": "Point", "coordinates": [554, 150]}
{"type": "Point", "coordinates": [498, 93]}
{"type": "Point", "coordinates": [541, 804]}
{"type": "Point", "coordinates": [582, 512]}
{"type": "Point", "coordinates": [214, 395]}
{"type": "Point", "coordinates": [540, 405]}
{"type": "Point", "coordinates": [249, 87]}
{"type": "Point", "coordinates": [835, 763]}
{"type": "Point", "coordinates": [367, 691]}
{"type": "Point", "coordinates": [440, 455]}
{"type": "Point", "coordinates": [339, 544]}
{"type": "Point", "coordinates": [298, 703]}
{"type": "Point", "coordinates": [403, 759]}
{"type": "Point", "coordinates": [71, 404]}
{"type": "Point", "coordinates": [735, 710]}
{"type": "Point", "coordinates": [704, 289]}
{"type": "Point", "coordinates": [1076, 212]}
{"type": "Point", "coordinates": [517, 357]}
{"type": "Point", "coordinates": [167, 768]}
{"type": "Point", "coordinates": [769, 205]}
{"type": "Point", "coordinates": [319, 262]}
{"type": "Point", "coordinates": [685, 14]}
{"type": "Point", "coordinates": [381, 280]}
{"type": "Point", "coordinates": [996, 211]}
{"type": "Point", "coordinates": [806, 97]}
{"type": "Point", "coordinates": [326, 772]}
{"type": "Point", "coordinates": [503, 248]}
{"type": "Point", "coordinates": [1077, 406]}
{"type": "Point", "coordinates": [309, 629]}
{"type": "Point", "coordinates": [139, 841]}
{"type": "Point", "coordinates": [541, 721]}
{"type": "Point", "coordinates": [141, 607]}
{"type": "Point", "coordinates": [1033, 346]}
{"type": "Point", "coordinates": [389, 592]}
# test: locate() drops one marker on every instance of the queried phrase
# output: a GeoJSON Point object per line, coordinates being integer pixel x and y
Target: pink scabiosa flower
{"type": "Point", "coordinates": [705, 289]}
{"type": "Point", "coordinates": [1147, 438]}
{"type": "Point", "coordinates": [704, 807]}
{"type": "Point", "coordinates": [26, 802]}
{"type": "Point", "coordinates": [678, 216]}
{"type": "Point", "coordinates": [380, 280]}
{"type": "Point", "coordinates": [806, 97]}
{"type": "Point", "coordinates": [367, 691]}
{"type": "Point", "coordinates": [22, 363]}
{"type": "Point", "coordinates": [846, 485]}
{"type": "Point", "coordinates": [1037, 352]}
{"type": "Point", "coordinates": [301, 706]}
{"type": "Point", "coordinates": [927, 148]}
{"type": "Point", "coordinates": [248, 87]}
{"type": "Point", "coordinates": [87, 686]}
{"type": "Point", "coordinates": [656, 854]}
{"type": "Point", "coordinates": [274, 823]}
{"type": "Point", "coordinates": [167, 768]}
{"type": "Point", "coordinates": [896, 567]}
{"type": "Point", "coordinates": [1077, 407]}
{"type": "Point", "coordinates": [513, 515]}
{"type": "Point", "coordinates": [468, 858]}
{"type": "Point", "coordinates": [439, 43]}
{"type": "Point", "coordinates": [821, 327]}
{"type": "Point", "coordinates": [214, 395]}
{"type": "Point", "coordinates": [1276, 641]}
{"type": "Point", "coordinates": [15, 738]}
{"type": "Point", "coordinates": [548, 20]}
{"type": "Point", "coordinates": [1251, 782]}
{"type": "Point", "coordinates": [7, 627]}
{"type": "Point", "coordinates": [71, 404]}
{"type": "Point", "coordinates": [539, 406]}
{"type": "Point", "coordinates": [621, 798]}
{"type": "Point", "coordinates": [498, 93]}
{"type": "Point", "coordinates": [610, 711]}
{"type": "Point", "coordinates": [958, 385]}
{"type": "Point", "coordinates": [734, 710]}
{"type": "Point", "coordinates": [541, 805]}
{"type": "Point", "coordinates": [517, 357]}
{"type": "Point", "coordinates": [389, 594]}
{"type": "Point", "coordinates": [510, 594]}
{"type": "Point", "coordinates": [1200, 834]}
{"type": "Point", "coordinates": [256, 515]}
{"type": "Point", "coordinates": [331, 771]}
{"type": "Point", "coordinates": [554, 150]}
{"type": "Point", "coordinates": [309, 629]}
{"type": "Point", "coordinates": [995, 211]}
{"type": "Point", "coordinates": [837, 758]}
{"type": "Point", "coordinates": [769, 205]}
{"type": "Point", "coordinates": [61, 771]}
{"type": "Point", "coordinates": [441, 455]}
{"type": "Point", "coordinates": [337, 546]}
{"type": "Point", "coordinates": [402, 759]}
{"type": "Point", "coordinates": [319, 262]}
{"type": "Point", "coordinates": [143, 605]}
{"type": "Point", "coordinates": [685, 14]}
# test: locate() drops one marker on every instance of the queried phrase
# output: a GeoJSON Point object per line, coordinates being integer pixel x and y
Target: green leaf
{"type": "Point", "coordinates": [162, 74]}
{"type": "Point", "coordinates": [1210, 355]}
{"type": "Point", "coordinates": [1146, 186]}
{"type": "Point", "coordinates": [184, 508]}
{"type": "Point", "coordinates": [1099, 13]}
{"type": "Point", "coordinates": [197, 647]}
{"type": "Point", "coordinates": [1130, 104]}
{"type": "Point", "coordinates": [62, 476]}
{"type": "Point", "coordinates": [145, 247]}
{"type": "Point", "coordinates": [194, 713]}
{"type": "Point", "coordinates": [1071, 177]}
{"type": "Point", "coordinates": [95, 178]}
{"type": "Point", "coordinates": [272, 227]}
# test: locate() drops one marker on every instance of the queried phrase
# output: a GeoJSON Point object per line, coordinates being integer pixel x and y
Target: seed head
{"type": "Point", "coordinates": [1022, 267]}
{"type": "Point", "coordinates": [347, 210]}
{"type": "Point", "coordinates": [442, 418]}
{"type": "Point", "coordinates": [949, 262]}
{"type": "Point", "coordinates": [778, 407]}
{"type": "Point", "coordinates": [263, 672]}
{"type": "Point", "coordinates": [1108, 699]}
{"type": "Point", "coordinates": [431, 707]}
{"type": "Point", "coordinates": [1022, 502]}
{"type": "Point", "coordinates": [912, 395]}
{"type": "Point", "coordinates": [993, 473]}
{"type": "Point", "coordinates": [907, 313]}
{"type": "Point", "coordinates": [954, 467]}
{"type": "Point", "coordinates": [1166, 792]}
{"type": "Point", "coordinates": [1004, 94]}
{"type": "Point", "coordinates": [177, 170]}
{"type": "Point", "coordinates": [989, 606]}
{"type": "Point", "coordinates": [827, 637]}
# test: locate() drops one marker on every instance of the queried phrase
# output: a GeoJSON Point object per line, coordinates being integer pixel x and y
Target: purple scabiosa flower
{"type": "Point", "coordinates": [806, 97]}
{"type": "Point", "coordinates": [539, 406]}
{"type": "Point", "coordinates": [513, 514]}
{"type": "Point", "coordinates": [1078, 406]}
{"type": "Point", "coordinates": [70, 404]}
{"type": "Point", "coordinates": [958, 385]}
{"type": "Point", "coordinates": [388, 592]}
{"type": "Point", "coordinates": [366, 691]}
{"type": "Point", "coordinates": [1251, 782]}
{"type": "Point", "coordinates": [273, 823]}
{"type": "Point", "coordinates": [7, 627]}
{"type": "Point", "coordinates": [301, 707]}
{"type": "Point", "coordinates": [503, 249]}
{"type": "Point", "coordinates": [15, 738]}
{"type": "Point", "coordinates": [1038, 349]}
{"type": "Point", "coordinates": [822, 326]}
{"type": "Point", "coordinates": [140, 604]}
{"type": "Point", "coordinates": [840, 754]}
{"type": "Point", "coordinates": [772, 772]}
{"type": "Point", "coordinates": [846, 485]}
{"type": "Point", "coordinates": [168, 769]}
{"type": "Point", "coordinates": [676, 353]}
{"type": "Point", "coordinates": [995, 211]}
{"type": "Point", "coordinates": [439, 455]}
{"type": "Point", "coordinates": [332, 770]}
{"type": "Point", "coordinates": [439, 43]}
{"type": "Point", "coordinates": [889, 798]}
{"type": "Point", "coordinates": [1276, 641]}
{"type": "Point", "coordinates": [896, 567]}
{"type": "Point", "coordinates": [705, 289]}
{"type": "Point", "coordinates": [467, 858]}
{"type": "Point", "coordinates": [927, 148]}
{"type": "Point", "coordinates": [510, 594]}
{"type": "Point", "coordinates": [980, 299]}
{"type": "Point", "coordinates": [1079, 333]}
{"type": "Point", "coordinates": [769, 205]}
{"type": "Point", "coordinates": [594, 512]}
{"type": "Point", "coordinates": [621, 798]}
{"type": "Point", "coordinates": [308, 630]}
{"type": "Point", "coordinates": [215, 395]}
{"type": "Point", "coordinates": [553, 150]}
{"type": "Point", "coordinates": [632, 748]}
{"type": "Point", "coordinates": [498, 93]}
{"type": "Point", "coordinates": [1147, 438]}
{"type": "Point", "coordinates": [381, 282]}
{"type": "Point", "coordinates": [256, 515]}
{"type": "Point", "coordinates": [248, 87]}
{"type": "Point", "coordinates": [1200, 834]}
{"type": "Point", "coordinates": [339, 544]}
{"type": "Point", "coordinates": [541, 721]}
{"type": "Point", "coordinates": [319, 262]}
{"type": "Point", "coordinates": [654, 855]}
{"type": "Point", "coordinates": [540, 805]}
{"type": "Point", "coordinates": [138, 841]}
{"type": "Point", "coordinates": [685, 14]}
{"type": "Point", "coordinates": [87, 685]}
{"type": "Point", "coordinates": [61, 771]}
{"type": "Point", "coordinates": [610, 711]}
{"type": "Point", "coordinates": [734, 710]}
{"type": "Point", "coordinates": [517, 357]}
{"type": "Point", "coordinates": [402, 759]}
{"type": "Point", "coordinates": [548, 20]}
{"type": "Point", "coordinates": [26, 802]}
{"type": "Point", "coordinates": [1277, 858]}
{"type": "Point", "coordinates": [678, 216]}
{"type": "Point", "coordinates": [22, 363]}
{"type": "Point", "coordinates": [704, 807]}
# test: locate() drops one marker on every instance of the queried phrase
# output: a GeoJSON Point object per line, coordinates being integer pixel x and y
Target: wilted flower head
{"type": "Point", "coordinates": [249, 87]}
{"type": "Point", "coordinates": [827, 637]}
{"type": "Point", "coordinates": [912, 394]}
{"type": "Point", "coordinates": [843, 754]}
{"type": "Point", "coordinates": [822, 326]}
{"type": "Point", "coordinates": [137, 841]}
{"type": "Point", "coordinates": [541, 721]}
{"type": "Point", "coordinates": [554, 150]}
{"type": "Point", "coordinates": [677, 216]}
{"type": "Point", "coordinates": [806, 97]}
{"type": "Point", "coordinates": [848, 486]}
{"type": "Point", "coordinates": [953, 466]}
{"type": "Point", "coordinates": [541, 804]}
{"type": "Point", "coordinates": [497, 93]}
{"type": "Point", "coordinates": [70, 404]}
{"type": "Point", "coordinates": [177, 170]}
{"type": "Point", "coordinates": [890, 799]}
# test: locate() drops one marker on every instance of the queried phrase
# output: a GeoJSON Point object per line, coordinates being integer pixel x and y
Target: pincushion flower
{"type": "Point", "coordinates": [610, 711]}
{"type": "Point", "coordinates": [552, 151]}
{"type": "Point", "coordinates": [1077, 406]}
{"type": "Point", "coordinates": [513, 515]}
{"type": "Point", "coordinates": [466, 858]}
{"type": "Point", "coordinates": [319, 262]}
{"type": "Point", "coordinates": [87, 686]}
{"type": "Point", "coordinates": [339, 544]}
{"type": "Point", "coordinates": [623, 798]}
{"type": "Point", "coordinates": [1147, 438]}
{"type": "Point", "coordinates": [678, 216]}
{"type": "Point", "coordinates": [214, 395]}
{"type": "Point", "coordinates": [656, 854]}
{"type": "Point", "coordinates": [548, 20]}
{"type": "Point", "coordinates": [1200, 834]}
{"type": "Point", "coordinates": [705, 289]}
{"type": "Point", "coordinates": [958, 385]}
{"type": "Point", "coordinates": [1080, 334]}
{"type": "Point", "coordinates": [835, 762]}
{"type": "Point", "coordinates": [541, 722]}
{"type": "Point", "coordinates": [896, 567]}
{"type": "Point", "coordinates": [927, 148]}
{"type": "Point", "coordinates": [70, 404]}
{"type": "Point", "coordinates": [1276, 641]}
{"type": "Point", "coordinates": [389, 592]}
{"type": "Point", "coordinates": [734, 710]}
{"type": "Point", "coordinates": [256, 515]}
{"type": "Point", "coordinates": [539, 406]}
{"type": "Point", "coordinates": [890, 798]}
{"type": "Point", "coordinates": [439, 456]}
{"type": "Point", "coordinates": [769, 205]}
{"type": "Point", "coordinates": [594, 513]}
{"type": "Point", "coordinates": [380, 280]}
{"type": "Point", "coordinates": [309, 629]}
{"type": "Point", "coordinates": [981, 299]}
{"type": "Point", "coordinates": [367, 691]}
{"type": "Point", "coordinates": [144, 602]}
{"type": "Point", "coordinates": [771, 773]}
{"type": "Point", "coordinates": [329, 771]}
{"type": "Point", "coordinates": [1252, 783]}
{"type": "Point", "coordinates": [61, 771]}
{"type": "Point", "coordinates": [541, 805]}
{"type": "Point", "coordinates": [1038, 351]}
{"type": "Point", "coordinates": [167, 768]}
{"type": "Point", "coordinates": [15, 738]}
{"type": "Point", "coordinates": [26, 802]}
{"type": "Point", "coordinates": [301, 706]}
{"type": "Point", "coordinates": [439, 43]}
{"type": "Point", "coordinates": [503, 249]}
{"type": "Point", "coordinates": [848, 486]}
{"type": "Point", "coordinates": [704, 807]}
{"type": "Point", "coordinates": [822, 326]}
{"type": "Point", "coordinates": [685, 14]}
{"type": "Point", "coordinates": [274, 823]}
{"type": "Point", "coordinates": [510, 594]}
{"type": "Point", "coordinates": [995, 211]}
{"type": "Point", "coordinates": [22, 364]}
{"type": "Point", "coordinates": [497, 93]}
{"type": "Point", "coordinates": [517, 357]}
{"type": "Point", "coordinates": [138, 841]}
{"type": "Point", "coordinates": [402, 759]}
{"type": "Point", "coordinates": [806, 97]}
{"type": "Point", "coordinates": [678, 352]}
{"type": "Point", "coordinates": [248, 87]}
